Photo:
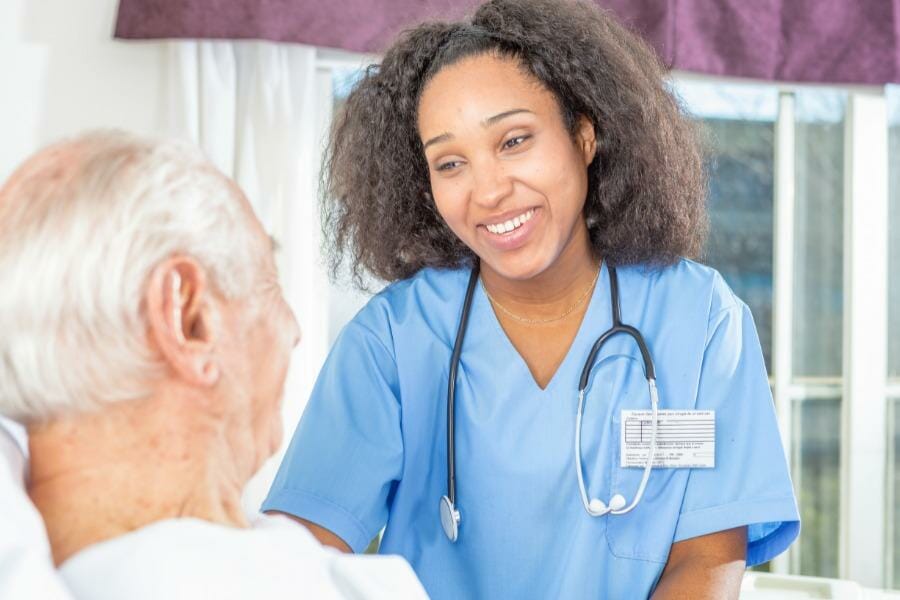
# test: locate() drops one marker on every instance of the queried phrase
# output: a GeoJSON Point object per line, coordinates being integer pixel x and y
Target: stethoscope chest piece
{"type": "Point", "coordinates": [449, 518]}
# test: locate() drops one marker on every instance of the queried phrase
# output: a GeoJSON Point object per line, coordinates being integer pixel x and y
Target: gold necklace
{"type": "Point", "coordinates": [528, 321]}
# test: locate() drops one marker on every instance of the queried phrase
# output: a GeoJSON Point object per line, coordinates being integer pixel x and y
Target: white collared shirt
{"type": "Point", "coordinates": [275, 559]}
{"type": "Point", "coordinates": [26, 564]}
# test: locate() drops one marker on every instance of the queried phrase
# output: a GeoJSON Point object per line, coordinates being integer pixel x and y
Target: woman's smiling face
{"type": "Point", "coordinates": [506, 174]}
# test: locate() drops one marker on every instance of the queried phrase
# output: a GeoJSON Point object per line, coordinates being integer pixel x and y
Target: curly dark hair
{"type": "Point", "coordinates": [646, 187]}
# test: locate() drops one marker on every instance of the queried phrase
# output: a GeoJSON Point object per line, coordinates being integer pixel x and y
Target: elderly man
{"type": "Point", "coordinates": [145, 342]}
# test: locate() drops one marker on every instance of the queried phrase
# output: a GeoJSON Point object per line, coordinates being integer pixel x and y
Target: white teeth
{"type": "Point", "coordinates": [501, 228]}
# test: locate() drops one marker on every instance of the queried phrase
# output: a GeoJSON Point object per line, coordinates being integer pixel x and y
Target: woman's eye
{"type": "Point", "coordinates": [450, 164]}
{"type": "Point", "coordinates": [513, 142]}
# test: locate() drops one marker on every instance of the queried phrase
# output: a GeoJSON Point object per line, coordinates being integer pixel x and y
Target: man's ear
{"type": "Point", "coordinates": [587, 138]}
{"type": "Point", "coordinates": [180, 315]}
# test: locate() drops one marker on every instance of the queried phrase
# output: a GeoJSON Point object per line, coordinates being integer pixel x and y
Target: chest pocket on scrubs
{"type": "Point", "coordinates": [647, 531]}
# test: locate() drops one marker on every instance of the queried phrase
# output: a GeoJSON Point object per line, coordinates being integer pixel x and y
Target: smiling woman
{"type": "Point", "coordinates": [535, 150]}
{"type": "Point", "coordinates": [586, 69]}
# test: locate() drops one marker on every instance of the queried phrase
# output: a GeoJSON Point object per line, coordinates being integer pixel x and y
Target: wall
{"type": "Point", "coordinates": [62, 73]}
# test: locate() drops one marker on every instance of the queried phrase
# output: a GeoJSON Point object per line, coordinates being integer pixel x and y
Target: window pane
{"type": "Point", "coordinates": [739, 126]}
{"type": "Point", "coordinates": [894, 493]}
{"type": "Point", "coordinates": [818, 250]}
{"type": "Point", "coordinates": [818, 421]}
{"type": "Point", "coordinates": [818, 323]}
{"type": "Point", "coordinates": [342, 81]}
{"type": "Point", "coordinates": [893, 98]}
{"type": "Point", "coordinates": [344, 299]}
{"type": "Point", "coordinates": [893, 483]}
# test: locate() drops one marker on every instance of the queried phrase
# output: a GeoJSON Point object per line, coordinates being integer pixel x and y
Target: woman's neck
{"type": "Point", "coordinates": [96, 477]}
{"type": "Point", "coordinates": [554, 290]}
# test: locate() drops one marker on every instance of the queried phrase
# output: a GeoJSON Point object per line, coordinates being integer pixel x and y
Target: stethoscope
{"type": "Point", "coordinates": [450, 516]}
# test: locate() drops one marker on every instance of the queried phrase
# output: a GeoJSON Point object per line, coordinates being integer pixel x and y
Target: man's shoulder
{"type": "Point", "coordinates": [189, 558]}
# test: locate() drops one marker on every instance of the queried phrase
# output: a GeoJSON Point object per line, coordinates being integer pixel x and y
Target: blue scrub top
{"type": "Point", "coordinates": [370, 449]}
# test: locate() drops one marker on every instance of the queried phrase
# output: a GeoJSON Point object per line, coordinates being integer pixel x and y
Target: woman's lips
{"type": "Point", "coordinates": [514, 239]}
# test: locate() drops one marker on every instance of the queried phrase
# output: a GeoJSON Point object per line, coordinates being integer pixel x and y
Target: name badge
{"type": "Point", "coordinates": [685, 439]}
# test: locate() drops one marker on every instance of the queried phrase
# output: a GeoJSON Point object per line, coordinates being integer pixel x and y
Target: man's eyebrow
{"type": "Point", "coordinates": [446, 137]}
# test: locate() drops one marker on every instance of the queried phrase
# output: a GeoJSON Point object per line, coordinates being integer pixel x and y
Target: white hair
{"type": "Point", "coordinates": [82, 225]}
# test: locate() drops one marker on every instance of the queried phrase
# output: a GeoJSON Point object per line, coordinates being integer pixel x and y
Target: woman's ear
{"type": "Point", "coordinates": [180, 311]}
{"type": "Point", "coordinates": [587, 139]}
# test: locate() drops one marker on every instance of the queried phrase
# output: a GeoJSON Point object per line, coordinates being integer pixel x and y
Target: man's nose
{"type": "Point", "coordinates": [295, 330]}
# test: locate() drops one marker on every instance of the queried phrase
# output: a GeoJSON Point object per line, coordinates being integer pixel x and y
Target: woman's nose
{"type": "Point", "coordinates": [491, 185]}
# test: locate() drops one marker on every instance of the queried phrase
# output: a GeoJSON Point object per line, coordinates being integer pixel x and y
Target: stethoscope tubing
{"type": "Point", "coordinates": [648, 466]}
{"type": "Point", "coordinates": [451, 385]}
{"type": "Point", "coordinates": [450, 516]}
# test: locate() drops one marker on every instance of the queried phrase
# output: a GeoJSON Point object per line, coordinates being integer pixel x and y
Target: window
{"type": "Point", "coordinates": [741, 123]}
{"type": "Point", "coordinates": [893, 96]}
{"type": "Point", "coordinates": [345, 300]}
{"type": "Point", "coordinates": [893, 385]}
{"type": "Point", "coordinates": [739, 133]}
{"type": "Point", "coordinates": [817, 328]}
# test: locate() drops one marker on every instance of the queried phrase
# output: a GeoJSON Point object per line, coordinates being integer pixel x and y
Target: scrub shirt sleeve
{"type": "Point", "coordinates": [749, 484]}
{"type": "Point", "coordinates": [347, 452]}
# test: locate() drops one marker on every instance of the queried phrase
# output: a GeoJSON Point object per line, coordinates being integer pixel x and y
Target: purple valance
{"type": "Point", "coordinates": [824, 41]}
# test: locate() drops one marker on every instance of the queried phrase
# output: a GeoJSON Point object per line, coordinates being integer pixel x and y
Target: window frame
{"type": "Point", "coordinates": [864, 410]}
{"type": "Point", "coordinates": [891, 578]}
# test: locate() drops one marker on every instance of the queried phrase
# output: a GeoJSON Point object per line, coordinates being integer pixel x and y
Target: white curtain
{"type": "Point", "coordinates": [255, 109]}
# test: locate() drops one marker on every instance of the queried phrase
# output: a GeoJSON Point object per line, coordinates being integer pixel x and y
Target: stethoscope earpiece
{"type": "Point", "coordinates": [617, 502]}
{"type": "Point", "coordinates": [597, 508]}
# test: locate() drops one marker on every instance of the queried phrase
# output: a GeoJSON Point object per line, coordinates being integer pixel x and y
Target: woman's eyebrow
{"type": "Point", "coordinates": [491, 120]}
{"type": "Point", "coordinates": [446, 137]}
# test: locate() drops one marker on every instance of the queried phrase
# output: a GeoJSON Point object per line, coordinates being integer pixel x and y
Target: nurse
{"type": "Point", "coordinates": [538, 143]}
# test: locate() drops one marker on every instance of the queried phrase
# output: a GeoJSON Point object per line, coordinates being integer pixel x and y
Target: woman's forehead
{"type": "Point", "coordinates": [477, 88]}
